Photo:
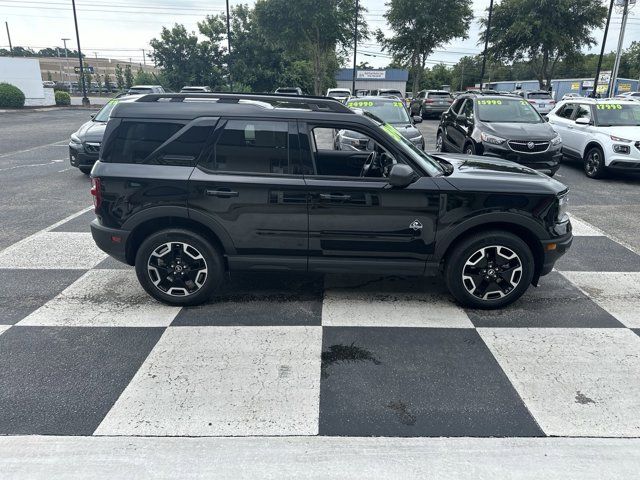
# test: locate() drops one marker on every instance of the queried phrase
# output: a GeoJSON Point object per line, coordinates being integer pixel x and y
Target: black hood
{"type": "Point", "coordinates": [474, 173]}
{"type": "Point", "coordinates": [91, 132]}
{"type": "Point", "coordinates": [520, 131]}
{"type": "Point", "coordinates": [407, 130]}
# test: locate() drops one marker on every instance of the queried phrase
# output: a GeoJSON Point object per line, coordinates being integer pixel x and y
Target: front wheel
{"type": "Point", "coordinates": [469, 149]}
{"type": "Point", "coordinates": [594, 163]}
{"type": "Point", "coordinates": [489, 270]}
{"type": "Point", "coordinates": [179, 267]}
{"type": "Point", "coordinates": [440, 147]}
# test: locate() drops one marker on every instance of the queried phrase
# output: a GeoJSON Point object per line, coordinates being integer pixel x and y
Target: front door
{"type": "Point", "coordinates": [362, 224]}
{"type": "Point", "coordinates": [249, 185]}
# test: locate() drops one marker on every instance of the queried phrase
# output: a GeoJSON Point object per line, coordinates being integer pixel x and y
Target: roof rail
{"type": "Point", "coordinates": [314, 103]}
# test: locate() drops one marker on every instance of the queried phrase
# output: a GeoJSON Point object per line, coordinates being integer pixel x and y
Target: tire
{"type": "Point", "coordinates": [502, 249]}
{"type": "Point", "coordinates": [423, 114]}
{"type": "Point", "coordinates": [469, 148]}
{"type": "Point", "coordinates": [191, 255]}
{"type": "Point", "coordinates": [440, 146]}
{"type": "Point", "coordinates": [594, 166]}
{"type": "Point", "coordinates": [85, 170]}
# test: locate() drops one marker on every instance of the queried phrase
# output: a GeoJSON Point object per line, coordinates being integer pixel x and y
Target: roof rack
{"type": "Point", "coordinates": [319, 104]}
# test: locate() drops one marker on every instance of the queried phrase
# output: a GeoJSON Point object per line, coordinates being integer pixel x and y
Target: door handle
{"type": "Point", "coordinates": [329, 196]}
{"type": "Point", "coordinates": [221, 193]}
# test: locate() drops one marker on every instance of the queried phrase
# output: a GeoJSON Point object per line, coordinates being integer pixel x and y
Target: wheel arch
{"type": "Point", "coordinates": [590, 145]}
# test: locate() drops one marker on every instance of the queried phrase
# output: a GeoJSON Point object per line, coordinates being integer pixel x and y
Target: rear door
{"type": "Point", "coordinates": [250, 184]}
{"type": "Point", "coordinates": [562, 122]}
{"type": "Point", "coordinates": [460, 128]}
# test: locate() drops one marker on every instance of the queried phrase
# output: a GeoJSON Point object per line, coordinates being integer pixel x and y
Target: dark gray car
{"type": "Point", "coordinates": [389, 110]}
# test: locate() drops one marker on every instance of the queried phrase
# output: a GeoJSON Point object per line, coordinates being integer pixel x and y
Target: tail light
{"type": "Point", "coordinates": [533, 102]}
{"type": "Point", "coordinates": [96, 193]}
{"type": "Point", "coordinates": [428, 100]}
{"type": "Point", "coordinates": [552, 102]}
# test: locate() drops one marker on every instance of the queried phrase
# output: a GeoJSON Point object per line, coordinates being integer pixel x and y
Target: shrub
{"type": "Point", "coordinates": [11, 96]}
{"type": "Point", "coordinates": [63, 98]}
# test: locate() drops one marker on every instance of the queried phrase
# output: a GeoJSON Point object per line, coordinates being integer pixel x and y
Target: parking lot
{"type": "Point", "coordinates": [87, 353]}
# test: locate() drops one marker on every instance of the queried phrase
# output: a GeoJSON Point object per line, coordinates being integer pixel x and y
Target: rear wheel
{"type": "Point", "coordinates": [469, 148]}
{"type": "Point", "coordinates": [594, 163]}
{"type": "Point", "coordinates": [423, 114]}
{"type": "Point", "coordinates": [440, 147]}
{"type": "Point", "coordinates": [179, 267]}
{"type": "Point", "coordinates": [489, 269]}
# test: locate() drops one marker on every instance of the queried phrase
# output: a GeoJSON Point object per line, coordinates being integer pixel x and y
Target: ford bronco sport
{"type": "Point", "coordinates": [190, 187]}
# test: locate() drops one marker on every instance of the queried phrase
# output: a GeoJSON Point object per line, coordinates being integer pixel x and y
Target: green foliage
{"type": "Point", "coordinates": [11, 96]}
{"type": "Point", "coordinates": [419, 27]}
{"type": "Point", "coordinates": [63, 98]}
{"type": "Point", "coordinates": [143, 78]}
{"type": "Point", "coordinates": [88, 81]}
{"type": "Point", "coordinates": [119, 77]}
{"type": "Point", "coordinates": [543, 31]}
{"type": "Point", "coordinates": [128, 76]}
{"type": "Point", "coordinates": [313, 31]}
{"type": "Point", "coordinates": [107, 81]}
{"type": "Point", "coordinates": [49, 77]}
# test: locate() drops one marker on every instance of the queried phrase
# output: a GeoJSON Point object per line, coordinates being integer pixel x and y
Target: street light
{"type": "Point", "coordinates": [85, 100]}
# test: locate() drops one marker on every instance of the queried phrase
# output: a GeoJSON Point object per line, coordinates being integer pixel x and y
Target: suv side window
{"type": "Point", "coordinates": [467, 109]}
{"type": "Point", "coordinates": [455, 107]}
{"type": "Point", "coordinates": [567, 110]}
{"type": "Point", "coordinates": [422, 94]}
{"type": "Point", "coordinates": [584, 111]}
{"type": "Point", "coordinates": [157, 143]}
{"type": "Point", "coordinates": [251, 146]}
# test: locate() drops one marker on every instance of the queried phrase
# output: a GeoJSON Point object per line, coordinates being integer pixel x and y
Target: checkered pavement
{"type": "Point", "coordinates": [84, 351]}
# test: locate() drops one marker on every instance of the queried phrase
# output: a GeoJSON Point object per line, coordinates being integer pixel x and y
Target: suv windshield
{"type": "Point", "coordinates": [389, 112]}
{"type": "Point", "coordinates": [509, 110]}
{"type": "Point", "coordinates": [617, 115]}
{"type": "Point", "coordinates": [431, 166]}
{"type": "Point", "coordinates": [103, 114]}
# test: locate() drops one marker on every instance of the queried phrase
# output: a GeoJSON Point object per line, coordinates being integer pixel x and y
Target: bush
{"type": "Point", "coordinates": [63, 98]}
{"type": "Point", "coordinates": [11, 96]}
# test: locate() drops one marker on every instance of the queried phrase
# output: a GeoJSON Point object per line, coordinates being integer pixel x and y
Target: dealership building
{"type": "Point", "coordinates": [370, 79]}
{"type": "Point", "coordinates": [562, 86]}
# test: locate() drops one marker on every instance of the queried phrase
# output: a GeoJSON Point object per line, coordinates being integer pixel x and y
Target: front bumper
{"type": "Point", "coordinates": [79, 157]}
{"type": "Point", "coordinates": [110, 240]}
{"type": "Point", "coordinates": [554, 249]}
{"type": "Point", "coordinates": [546, 162]}
{"type": "Point", "coordinates": [625, 162]}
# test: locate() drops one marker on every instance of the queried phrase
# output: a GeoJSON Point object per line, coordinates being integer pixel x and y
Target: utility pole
{"type": "Point", "coordinates": [144, 58]}
{"type": "Point", "coordinates": [355, 51]}
{"type": "Point", "coordinates": [462, 77]}
{"type": "Point", "coordinates": [66, 61]}
{"type": "Point", "coordinates": [229, 48]}
{"type": "Point", "coordinates": [59, 64]}
{"type": "Point", "coordinates": [486, 44]}
{"type": "Point", "coordinates": [616, 66]}
{"type": "Point", "coordinates": [604, 42]}
{"type": "Point", "coordinates": [85, 99]}
{"type": "Point", "coordinates": [6, 24]}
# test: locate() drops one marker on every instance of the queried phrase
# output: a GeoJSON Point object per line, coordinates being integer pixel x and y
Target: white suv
{"type": "Point", "coordinates": [603, 134]}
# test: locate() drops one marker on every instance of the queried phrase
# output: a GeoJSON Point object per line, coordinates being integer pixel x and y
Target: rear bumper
{"type": "Point", "coordinates": [110, 240]}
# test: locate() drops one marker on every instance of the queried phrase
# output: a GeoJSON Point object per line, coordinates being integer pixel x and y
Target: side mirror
{"type": "Point", "coordinates": [93, 115]}
{"type": "Point", "coordinates": [545, 118]}
{"type": "Point", "coordinates": [417, 119]}
{"type": "Point", "coordinates": [401, 175]}
{"type": "Point", "coordinates": [583, 121]}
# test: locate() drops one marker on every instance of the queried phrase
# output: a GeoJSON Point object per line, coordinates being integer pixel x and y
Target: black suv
{"type": "Point", "coordinates": [504, 126]}
{"type": "Point", "coordinates": [192, 186]}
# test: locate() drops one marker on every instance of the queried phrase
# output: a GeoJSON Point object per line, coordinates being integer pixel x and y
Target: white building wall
{"type": "Point", "coordinates": [25, 74]}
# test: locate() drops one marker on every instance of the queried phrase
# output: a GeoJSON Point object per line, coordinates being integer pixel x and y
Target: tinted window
{"type": "Point", "coordinates": [509, 110]}
{"type": "Point", "coordinates": [567, 110]}
{"type": "Point", "coordinates": [456, 105]}
{"type": "Point", "coordinates": [540, 95]}
{"type": "Point", "coordinates": [467, 109]}
{"type": "Point", "coordinates": [439, 95]}
{"type": "Point", "coordinates": [584, 112]}
{"type": "Point", "coordinates": [247, 146]}
{"type": "Point", "coordinates": [134, 142]}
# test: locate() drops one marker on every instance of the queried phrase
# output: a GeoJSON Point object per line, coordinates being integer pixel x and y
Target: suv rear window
{"type": "Point", "coordinates": [542, 95]}
{"type": "Point", "coordinates": [139, 142]}
{"type": "Point", "coordinates": [438, 95]}
{"type": "Point", "coordinates": [250, 146]}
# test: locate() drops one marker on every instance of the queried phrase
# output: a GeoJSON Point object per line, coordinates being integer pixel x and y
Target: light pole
{"type": "Point", "coordinates": [604, 42]}
{"type": "Point", "coordinates": [355, 52]}
{"type": "Point", "coordinates": [66, 61]}
{"type": "Point", "coordinates": [229, 48]}
{"type": "Point", "coordinates": [616, 65]}
{"type": "Point", "coordinates": [486, 44]}
{"type": "Point", "coordinates": [85, 100]}
{"type": "Point", "coordinates": [6, 24]}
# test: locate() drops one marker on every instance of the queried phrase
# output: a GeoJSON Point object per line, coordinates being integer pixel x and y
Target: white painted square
{"type": "Point", "coordinates": [53, 250]}
{"type": "Point", "coordinates": [583, 229]}
{"type": "Point", "coordinates": [575, 382]}
{"type": "Point", "coordinates": [103, 298]}
{"type": "Point", "coordinates": [358, 301]}
{"type": "Point", "coordinates": [617, 292]}
{"type": "Point", "coordinates": [4, 328]}
{"type": "Point", "coordinates": [224, 381]}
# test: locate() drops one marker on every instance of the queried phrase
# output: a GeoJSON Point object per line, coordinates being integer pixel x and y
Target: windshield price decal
{"type": "Point", "coordinates": [609, 106]}
{"type": "Point", "coordinates": [360, 104]}
{"type": "Point", "coordinates": [398, 104]}
{"type": "Point", "coordinates": [489, 102]}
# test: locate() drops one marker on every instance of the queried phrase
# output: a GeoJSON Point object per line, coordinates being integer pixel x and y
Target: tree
{"type": "Point", "coordinates": [119, 77]}
{"type": "Point", "coordinates": [543, 31]}
{"type": "Point", "coordinates": [143, 78]}
{"type": "Point", "coordinates": [99, 83]}
{"type": "Point", "coordinates": [88, 80]}
{"type": "Point", "coordinates": [313, 31]}
{"type": "Point", "coordinates": [420, 26]}
{"type": "Point", "coordinates": [107, 82]}
{"type": "Point", "coordinates": [128, 76]}
{"type": "Point", "coordinates": [49, 78]}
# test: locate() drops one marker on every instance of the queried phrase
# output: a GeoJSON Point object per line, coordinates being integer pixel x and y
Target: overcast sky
{"type": "Point", "coordinates": [121, 29]}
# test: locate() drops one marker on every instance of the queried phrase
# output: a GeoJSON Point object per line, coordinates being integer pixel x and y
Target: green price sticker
{"type": "Point", "coordinates": [360, 104]}
{"type": "Point", "coordinates": [609, 106]}
{"type": "Point", "coordinates": [490, 102]}
{"type": "Point", "coordinates": [398, 104]}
